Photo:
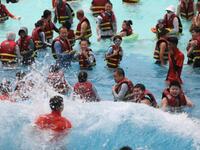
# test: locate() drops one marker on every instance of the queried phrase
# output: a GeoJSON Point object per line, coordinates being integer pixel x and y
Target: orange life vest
{"type": "Point", "coordinates": [36, 38]}
{"type": "Point", "coordinates": [98, 6]}
{"type": "Point", "coordinates": [7, 51]}
{"type": "Point", "coordinates": [107, 21]}
{"type": "Point", "coordinates": [84, 89]}
{"type": "Point", "coordinates": [178, 101]}
{"type": "Point", "coordinates": [53, 121]}
{"type": "Point", "coordinates": [187, 12]}
{"type": "Point", "coordinates": [157, 50]}
{"type": "Point", "coordinates": [66, 47]}
{"type": "Point", "coordinates": [129, 84]}
{"type": "Point", "coordinates": [3, 14]}
{"type": "Point", "coordinates": [113, 62]}
{"type": "Point", "coordinates": [87, 33]}
{"type": "Point", "coordinates": [83, 61]}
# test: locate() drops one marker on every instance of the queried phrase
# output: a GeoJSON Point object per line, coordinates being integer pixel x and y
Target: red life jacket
{"type": "Point", "coordinates": [151, 97]}
{"type": "Point", "coordinates": [173, 101]}
{"type": "Point", "coordinates": [157, 50]}
{"type": "Point", "coordinates": [4, 97]}
{"type": "Point", "coordinates": [66, 47]}
{"type": "Point", "coordinates": [3, 14]}
{"type": "Point", "coordinates": [98, 6]}
{"type": "Point", "coordinates": [196, 53]}
{"type": "Point", "coordinates": [48, 30]}
{"type": "Point", "coordinates": [175, 61]}
{"type": "Point", "coordinates": [128, 31]}
{"type": "Point", "coordinates": [88, 32]}
{"type": "Point", "coordinates": [113, 62]}
{"type": "Point", "coordinates": [168, 23]}
{"type": "Point", "coordinates": [36, 39]}
{"type": "Point", "coordinates": [7, 51]}
{"type": "Point", "coordinates": [84, 89]}
{"type": "Point", "coordinates": [71, 37]}
{"type": "Point", "coordinates": [187, 12]}
{"type": "Point", "coordinates": [107, 21]}
{"type": "Point", "coordinates": [129, 84]}
{"type": "Point", "coordinates": [24, 43]}
{"type": "Point", "coordinates": [83, 61]}
{"type": "Point", "coordinates": [53, 121]}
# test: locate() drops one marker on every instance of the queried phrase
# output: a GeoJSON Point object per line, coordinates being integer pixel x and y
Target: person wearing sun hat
{"type": "Point", "coordinates": [172, 21]}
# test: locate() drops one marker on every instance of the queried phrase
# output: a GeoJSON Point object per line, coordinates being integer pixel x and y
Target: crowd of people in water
{"type": "Point", "coordinates": [25, 50]}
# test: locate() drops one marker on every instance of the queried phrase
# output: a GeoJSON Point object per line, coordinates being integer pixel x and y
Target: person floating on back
{"type": "Point", "coordinates": [173, 98]}
{"type": "Point", "coordinates": [115, 53]}
{"type": "Point", "coordinates": [54, 120]}
{"type": "Point", "coordinates": [85, 89]}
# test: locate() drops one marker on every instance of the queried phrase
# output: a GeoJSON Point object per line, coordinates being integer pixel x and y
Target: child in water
{"type": "Point", "coordinates": [126, 28]}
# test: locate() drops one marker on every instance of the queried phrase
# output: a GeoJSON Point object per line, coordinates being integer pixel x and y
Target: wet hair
{"type": "Point", "coordinates": [175, 83]}
{"type": "Point", "coordinates": [141, 86]}
{"type": "Point", "coordinates": [173, 40]}
{"type": "Point", "coordinates": [20, 75]}
{"type": "Point", "coordinates": [128, 22]}
{"type": "Point", "coordinates": [82, 76]}
{"type": "Point", "coordinates": [162, 32]}
{"type": "Point", "coordinates": [67, 25]}
{"type": "Point", "coordinates": [62, 27]}
{"type": "Point", "coordinates": [86, 40]}
{"type": "Point", "coordinates": [39, 23]}
{"type": "Point", "coordinates": [126, 148]}
{"type": "Point", "coordinates": [80, 13]}
{"type": "Point", "coordinates": [120, 71]}
{"type": "Point", "coordinates": [54, 68]}
{"type": "Point", "coordinates": [56, 103]}
{"type": "Point", "coordinates": [46, 13]}
{"type": "Point", "coordinates": [117, 37]}
{"type": "Point", "coordinates": [109, 2]}
{"type": "Point", "coordinates": [196, 29]}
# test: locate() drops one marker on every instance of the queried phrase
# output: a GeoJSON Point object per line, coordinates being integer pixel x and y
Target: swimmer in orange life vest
{"type": "Point", "coordinates": [5, 14]}
{"type": "Point", "coordinates": [54, 121]}
{"type": "Point", "coordinates": [57, 80]}
{"type": "Point", "coordinates": [126, 28]}
{"type": "Point", "coordinates": [173, 97]}
{"type": "Point", "coordinates": [5, 89]}
{"type": "Point", "coordinates": [85, 89]}
{"type": "Point", "coordinates": [141, 95]}
{"type": "Point", "coordinates": [176, 59]}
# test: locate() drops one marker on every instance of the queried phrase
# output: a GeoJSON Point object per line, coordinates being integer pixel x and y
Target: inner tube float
{"type": "Point", "coordinates": [131, 37]}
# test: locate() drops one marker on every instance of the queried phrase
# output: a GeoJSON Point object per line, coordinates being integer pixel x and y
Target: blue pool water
{"type": "Point", "coordinates": [105, 125]}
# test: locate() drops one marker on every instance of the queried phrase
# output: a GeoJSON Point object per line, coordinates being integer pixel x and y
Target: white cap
{"type": "Point", "coordinates": [171, 8]}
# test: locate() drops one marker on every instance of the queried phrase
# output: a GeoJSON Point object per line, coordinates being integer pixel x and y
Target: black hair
{"type": "Point", "coordinates": [126, 148]}
{"type": "Point", "coordinates": [62, 27]}
{"type": "Point", "coordinates": [162, 32]}
{"type": "Point", "coordinates": [56, 103]}
{"type": "Point", "coordinates": [109, 2]}
{"type": "Point", "coordinates": [67, 25]}
{"type": "Point", "coordinates": [39, 23]}
{"type": "Point", "coordinates": [141, 86]}
{"type": "Point", "coordinates": [128, 22]}
{"type": "Point", "coordinates": [175, 83]}
{"type": "Point", "coordinates": [54, 68]}
{"type": "Point", "coordinates": [85, 40]}
{"type": "Point", "coordinates": [196, 29]}
{"type": "Point", "coordinates": [120, 71]}
{"type": "Point", "coordinates": [117, 37]}
{"type": "Point", "coordinates": [46, 13]}
{"type": "Point", "coordinates": [173, 40]}
{"type": "Point", "coordinates": [82, 76]}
